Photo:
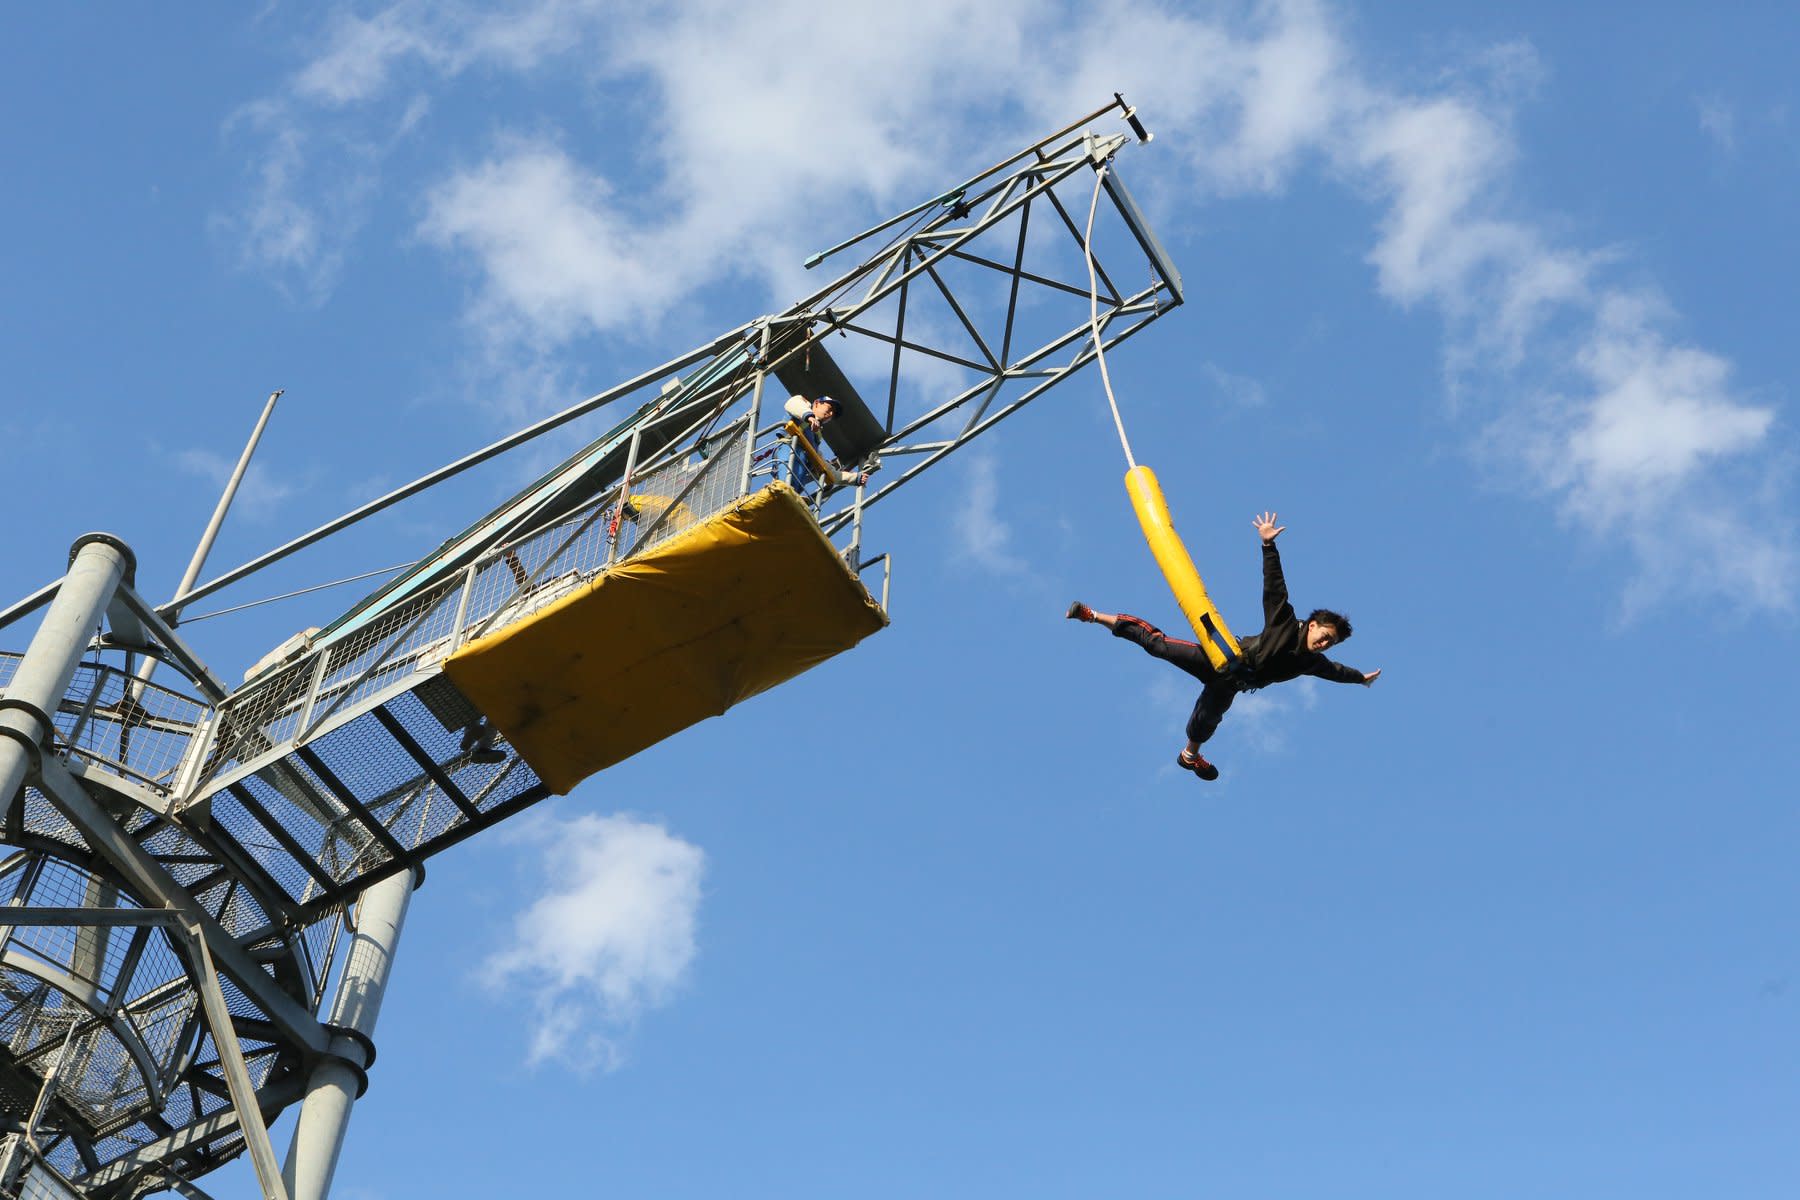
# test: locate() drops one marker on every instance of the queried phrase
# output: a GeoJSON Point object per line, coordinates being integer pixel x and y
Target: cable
{"type": "Point", "coordinates": [319, 587]}
{"type": "Point", "coordinates": [1087, 246]}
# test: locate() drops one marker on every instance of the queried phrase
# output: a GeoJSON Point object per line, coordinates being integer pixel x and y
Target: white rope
{"type": "Point", "coordinates": [1087, 245]}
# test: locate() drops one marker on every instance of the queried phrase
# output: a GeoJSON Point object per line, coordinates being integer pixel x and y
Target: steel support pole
{"type": "Point", "coordinates": [147, 669]}
{"type": "Point", "coordinates": [335, 1083]}
{"type": "Point", "coordinates": [754, 421]}
{"type": "Point", "coordinates": [211, 534]}
{"type": "Point", "coordinates": [97, 564]}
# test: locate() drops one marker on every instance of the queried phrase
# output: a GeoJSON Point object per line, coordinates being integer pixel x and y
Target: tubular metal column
{"type": "Point", "coordinates": [335, 1083]}
{"type": "Point", "coordinates": [97, 564]}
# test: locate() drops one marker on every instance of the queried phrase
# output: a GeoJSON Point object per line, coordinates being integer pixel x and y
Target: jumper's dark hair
{"type": "Point", "coordinates": [1337, 621]}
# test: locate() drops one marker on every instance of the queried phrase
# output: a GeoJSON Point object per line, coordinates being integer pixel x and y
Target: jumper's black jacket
{"type": "Point", "coordinates": [1279, 652]}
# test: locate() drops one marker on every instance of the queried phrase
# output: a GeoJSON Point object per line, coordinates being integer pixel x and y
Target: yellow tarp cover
{"type": "Point", "coordinates": [747, 599]}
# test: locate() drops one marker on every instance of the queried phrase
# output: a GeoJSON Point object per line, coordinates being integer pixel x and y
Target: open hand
{"type": "Point", "coordinates": [1266, 526]}
{"type": "Point", "coordinates": [1371, 676]}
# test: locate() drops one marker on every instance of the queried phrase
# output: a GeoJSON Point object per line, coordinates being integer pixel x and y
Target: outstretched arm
{"type": "Point", "coordinates": [1275, 597]}
{"type": "Point", "coordinates": [1337, 672]}
{"type": "Point", "coordinates": [850, 478]}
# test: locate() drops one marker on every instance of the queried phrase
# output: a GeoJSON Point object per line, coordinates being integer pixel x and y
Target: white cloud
{"type": "Point", "coordinates": [310, 186]}
{"type": "Point", "coordinates": [447, 37]}
{"type": "Point", "coordinates": [612, 935]}
{"type": "Point", "coordinates": [279, 229]}
{"type": "Point", "coordinates": [1659, 413]}
{"type": "Point", "coordinates": [1710, 551]}
{"type": "Point", "coordinates": [362, 51]}
{"type": "Point", "coordinates": [556, 259]}
{"type": "Point", "coordinates": [1261, 720]}
{"type": "Point", "coordinates": [737, 165]}
{"type": "Point", "coordinates": [729, 173]}
{"type": "Point", "coordinates": [259, 493]}
{"type": "Point", "coordinates": [982, 536]}
{"type": "Point", "coordinates": [1435, 160]}
{"type": "Point", "coordinates": [1239, 390]}
{"type": "Point", "coordinates": [1718, 121]}
{"type": "Point", "coordinates": [1290, 94]}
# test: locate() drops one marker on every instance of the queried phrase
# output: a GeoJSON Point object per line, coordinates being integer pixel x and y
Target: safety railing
{"type": "Point", "coordinates": [41, 1181]}
{"type": "Point", "coordinates": [117, 720]}
{"type": "Point", "coordinates": [292, 701]}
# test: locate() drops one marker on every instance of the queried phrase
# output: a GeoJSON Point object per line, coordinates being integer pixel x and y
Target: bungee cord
{"type": "Point", "coordinates": [1172, 558]}
{"type": "Point", "coordinates": [1087, 246]}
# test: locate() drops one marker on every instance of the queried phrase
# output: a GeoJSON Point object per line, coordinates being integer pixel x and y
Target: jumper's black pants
{"type": "Point", "coordinates": [1219, 689]}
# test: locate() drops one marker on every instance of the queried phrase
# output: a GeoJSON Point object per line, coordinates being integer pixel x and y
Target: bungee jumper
{"type": "Point", "coordinates": [1286, 648]}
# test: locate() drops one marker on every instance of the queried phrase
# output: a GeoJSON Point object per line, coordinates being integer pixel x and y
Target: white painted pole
{"type": "Point", "coordinates": [203, 549]}
{"type": "Point", "coordinates": [332, 1088]}
{"type": "Point", "coordinates": [211, 535]}
{"type": "Point", "coordinates": [97, 563]}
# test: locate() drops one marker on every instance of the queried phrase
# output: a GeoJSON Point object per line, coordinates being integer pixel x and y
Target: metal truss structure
{"type": "Point", "coordinates": [181, 856]}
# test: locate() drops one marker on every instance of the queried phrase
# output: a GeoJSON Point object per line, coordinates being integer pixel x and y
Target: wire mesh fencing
{"type": "Point", "coordinates": [292, 701]}
{"type": "Point", "coordinates": [120, 721]}
{"type": "Point", "coordinates": [120, 984]}
{"type": "Point", "coordinates": [37, 1183]}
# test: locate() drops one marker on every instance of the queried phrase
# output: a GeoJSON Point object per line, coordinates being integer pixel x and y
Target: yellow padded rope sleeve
{"type": "Point", "coordinates": [1177, 567]}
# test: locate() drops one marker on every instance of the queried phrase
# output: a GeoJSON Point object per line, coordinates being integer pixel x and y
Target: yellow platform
{"type": "Point", "coordinates": [747, 599]}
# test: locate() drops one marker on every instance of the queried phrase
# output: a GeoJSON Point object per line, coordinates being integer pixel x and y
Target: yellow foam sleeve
{"type": "Point", "coordinates": [749, 598]}
{"type": "Point", "coordinates": [1177, 567]}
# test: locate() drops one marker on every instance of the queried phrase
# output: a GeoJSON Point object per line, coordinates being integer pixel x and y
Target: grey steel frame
{"type": "Point", "coordinates": [239, 822]}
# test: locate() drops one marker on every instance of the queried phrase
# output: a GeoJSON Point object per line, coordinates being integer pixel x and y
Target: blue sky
{"type": "Point", "coordinates": [1494, 304]}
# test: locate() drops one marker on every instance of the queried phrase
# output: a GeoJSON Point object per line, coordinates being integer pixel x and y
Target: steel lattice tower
{"type": "Point", "coordinates": [180, 854]}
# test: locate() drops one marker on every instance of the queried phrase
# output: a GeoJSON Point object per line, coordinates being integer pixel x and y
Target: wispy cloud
{"type": "Point", "coordinates": [982, 535]}
{"type": "Point", "coordinates": [612, 934]}
{"type": "Point", "coordinates": [557, 260]}
{"type": "Point", "coordinates": [259, 494]}
{"type": "Point", "coordinates": [1718, 121]}
{"type": "Point", "coordinates": [1238, 390]}
{"type": "Point", "coordinates": [364, 57]}
{"type": "Point", "coordinates": [1572, 376]}
{"type": "Point", "coordinates": [1262, 719]}
{"type": "Point", "coordinates": [310, 183]}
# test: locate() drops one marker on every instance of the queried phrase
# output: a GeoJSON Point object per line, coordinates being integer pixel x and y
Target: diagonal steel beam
{"type": "Point", "coordinates": [231, 1061]}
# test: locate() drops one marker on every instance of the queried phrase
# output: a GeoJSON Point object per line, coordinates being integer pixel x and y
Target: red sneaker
{"type": "Point", "coordinates": [1197, 764]}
